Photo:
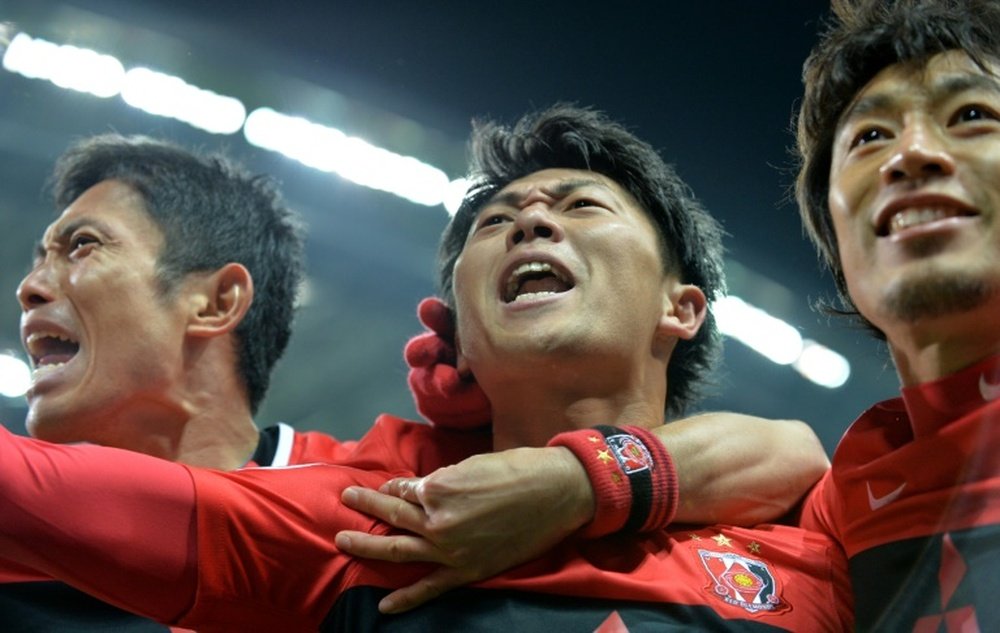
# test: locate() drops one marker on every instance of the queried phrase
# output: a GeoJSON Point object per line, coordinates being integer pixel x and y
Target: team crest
{"type": "Point", "coordinates": [631, 454]}
{"type": "Point", "coordinates": [742, 582]}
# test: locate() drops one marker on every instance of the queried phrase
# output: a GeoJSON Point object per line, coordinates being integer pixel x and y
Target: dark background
{"type": "Point", "coordinates": [712, 84]}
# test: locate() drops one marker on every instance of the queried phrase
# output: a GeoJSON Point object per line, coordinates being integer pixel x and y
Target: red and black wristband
{"type": "Point", "coordinates": [633, 477]}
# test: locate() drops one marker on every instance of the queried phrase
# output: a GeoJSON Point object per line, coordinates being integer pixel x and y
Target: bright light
{"type": "Point", "coordinates": [775, 339]}
{"type": "Point", "coordinates": [456, 193]}
{"type": "Point", "coordinates": [780, 342]}
{"type": "Point", "coordinates": [15, 376]}
{"type": "Point", "coordinates": [66, 66]}
{"type": "Point", "coordinates": [169, 96]}
{"type": "Point", "coordinates": [822, 365]}
{"type": "Point", "coordinates": [329, 149]}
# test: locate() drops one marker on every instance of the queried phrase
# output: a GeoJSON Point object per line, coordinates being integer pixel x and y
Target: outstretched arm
{"type": "Point", "coordinates": [78, 514]}
{"type": "Point", "coordinates": [179, 544]}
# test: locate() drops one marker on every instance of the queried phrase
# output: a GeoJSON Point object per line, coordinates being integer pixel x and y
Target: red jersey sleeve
{"type": "Point", "coordinates": [819, 506]}
{"type": "Point", "coordinates": [116, 524]}
{"type": "Point", "coordinates": [266, 553]}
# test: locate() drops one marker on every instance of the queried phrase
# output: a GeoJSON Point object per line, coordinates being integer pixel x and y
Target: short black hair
{"type": "Point", "coordinates": [212, 212]}
{"type": "Point", "coordinates": [571, 137]}
{"type": "Point", "coordinates": [862, 38]}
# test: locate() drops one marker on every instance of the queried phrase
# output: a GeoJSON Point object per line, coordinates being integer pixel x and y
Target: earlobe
{"type": "Point", "coordinates": [684, 311]}
{"type": "Point", "coordinates": [461, 363]}
{"type": "Point", "coordinates": [220, 301]}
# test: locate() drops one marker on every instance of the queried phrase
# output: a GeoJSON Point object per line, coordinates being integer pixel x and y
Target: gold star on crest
{"type": "Point", "coordinates": [604, 456]}
{"type": "Point", "coordinates": [593, 439]}
{"type": "Point", "coordinates": [754, 547]}
{"type": "Point", "coordinates": [615, 477]}
{"type": "Point", "coordinates": [694, 537]}
{"type": "Point", "coordinates": [722, 540]}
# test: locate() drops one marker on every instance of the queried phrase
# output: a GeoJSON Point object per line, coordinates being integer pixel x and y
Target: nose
{"type": "Point", "coordinates": [534, 222]}
{"type": "Point", "coordinates": [921, 153]}
{"type": "Point", "coordinates": [35, 289]}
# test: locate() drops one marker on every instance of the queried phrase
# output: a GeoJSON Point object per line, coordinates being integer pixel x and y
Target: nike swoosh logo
{"type": "Point", "coordinates": [987, 390]}
{"type": "Point", "coordinates": [877, 503]}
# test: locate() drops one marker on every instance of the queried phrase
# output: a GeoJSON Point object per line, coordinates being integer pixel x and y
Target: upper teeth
{"type": "Point", "coordinates": [531, 267]}
{"type": "Point", "coordinates": [33, 342]}
{"type": "Point", "coordinates": [913, 217]}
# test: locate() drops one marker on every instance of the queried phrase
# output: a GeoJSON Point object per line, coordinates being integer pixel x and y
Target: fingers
{"type": "Point", "coordinates": [393, 510]}
{"type": "Point", "coordinates": [436, 315]}
{"type": "Point", "coordinates": [428, 349]}
{"type": "Point", "coordinates": [395, 549]}
{"type": "Point", "coordinates": [427, 588]}
{"type": "Point", "coordinates": [406, 488]}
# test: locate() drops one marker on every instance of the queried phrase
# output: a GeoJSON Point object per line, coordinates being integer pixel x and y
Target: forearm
{"type": "Point", "coordinates": [741, 469]}
{"type": "Point", "coordinates": [116, 524]}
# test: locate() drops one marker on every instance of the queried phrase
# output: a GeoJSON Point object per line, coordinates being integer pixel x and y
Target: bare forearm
{"type": "Point", "coordinates": [741, 469]}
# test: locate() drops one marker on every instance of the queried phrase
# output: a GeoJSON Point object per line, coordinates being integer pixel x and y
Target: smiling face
{"type": "Point", "coordinates": [560, 263]}
{"type": "Point", "coordinates": [104, 340]}
{"type": "Point", "coordinates": [915, 194]}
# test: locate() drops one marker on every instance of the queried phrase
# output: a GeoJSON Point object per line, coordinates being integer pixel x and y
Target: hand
{"type": "Point", "coordinates": [471, 518]}
{"type": "Point", "coordinates": [442, 395]}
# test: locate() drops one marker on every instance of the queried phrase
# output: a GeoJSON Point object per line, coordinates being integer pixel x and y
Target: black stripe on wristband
{"type": "Point", "coordinates": [636, 463]}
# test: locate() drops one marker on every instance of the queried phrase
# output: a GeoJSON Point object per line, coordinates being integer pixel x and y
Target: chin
{"type": "Point", "coordinates": [939, 295]}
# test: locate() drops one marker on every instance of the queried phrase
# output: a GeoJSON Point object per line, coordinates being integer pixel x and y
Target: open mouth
{"type": "Point", "coordinates": [532, 280]}
{"type": "Point", "coordinates": [912, 217]}
{"type": "Point", "coordinates": [50, 350]}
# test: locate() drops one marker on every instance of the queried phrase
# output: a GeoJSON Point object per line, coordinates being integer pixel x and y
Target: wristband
{"type": "Point", "coordinates": [664, 496]}
{"type": "Point", "coordinates": [633, 477]}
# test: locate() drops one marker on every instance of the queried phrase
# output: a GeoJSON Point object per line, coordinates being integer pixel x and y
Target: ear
{"type": "Point", "coordinates": [684, 310]}
{"type": "Point", "coordinates": [220, 300]}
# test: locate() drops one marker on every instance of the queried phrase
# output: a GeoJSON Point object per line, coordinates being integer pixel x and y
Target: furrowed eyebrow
{"type": "Point", "coordinates": [66, 232]}
{"type": "Point", "coordinates": [560, 190]}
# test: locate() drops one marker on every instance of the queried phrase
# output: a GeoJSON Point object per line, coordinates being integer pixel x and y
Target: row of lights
{"type": "Point", "coordinates": [318, 146]}
{"type": "Point", "coordinates": [331, 150]}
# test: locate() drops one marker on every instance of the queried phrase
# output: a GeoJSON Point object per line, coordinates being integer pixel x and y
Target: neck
{"type": "Point", "coordinates": [934, 348]}
{"type": "Point", "coordinates": [531, 407]}
{"type": "Point", "coordinates": [210, 424]}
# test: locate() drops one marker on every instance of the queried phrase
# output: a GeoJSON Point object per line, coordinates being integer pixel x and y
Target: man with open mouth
{"type": "Point", "coordinates": [580, 273]}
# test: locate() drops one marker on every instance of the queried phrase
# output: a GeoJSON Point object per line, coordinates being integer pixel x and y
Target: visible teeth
{"type": "Point", "coordinates": [42, 370]}
{"type": "Point", "coordinates": [531, 267]}
{"type": "Point", "coordinates": [46, 347]}
{"type": "Point", "coordinates": [36, 336]}
{"type": "Point", "coordinates": [914, 217]}
{"type": "Point", "coordinates": [532, 295]}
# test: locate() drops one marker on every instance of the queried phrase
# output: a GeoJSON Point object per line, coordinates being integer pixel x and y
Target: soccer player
{"type": "Point", "coordinates": [580, 267]}
{"type": "Point", "coordinates": [142, 315]}
{"type": "Point", "coordinates": [899, 135]}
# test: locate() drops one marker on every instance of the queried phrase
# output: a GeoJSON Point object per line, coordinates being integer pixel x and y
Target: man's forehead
{"type": "Point", "coordinates": [936, 79]}
{"type": "Point", "coordinates": [557, 182]}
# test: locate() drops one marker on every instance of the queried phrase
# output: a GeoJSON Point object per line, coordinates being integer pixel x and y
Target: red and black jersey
{"type": "Point", "coordinates": [254, 550]}
{"type": "Point", "coordinates": [914, 498]}
{"type": "Point", "coordinates": [48, 605]}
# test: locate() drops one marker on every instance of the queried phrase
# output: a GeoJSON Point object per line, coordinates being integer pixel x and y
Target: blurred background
{"type": "Point", "coordinates": [315, 93]}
